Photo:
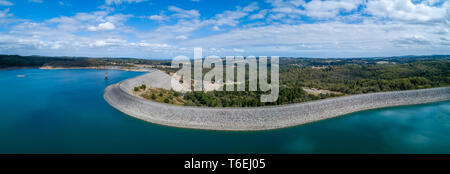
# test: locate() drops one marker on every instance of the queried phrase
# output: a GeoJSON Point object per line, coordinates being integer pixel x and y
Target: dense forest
{"type": "Point", "coordinates": [7, 61]}
{"type": "Point", "coordinates": [356, 79]}
{"type": "Point", "coordinates": [346, 79]}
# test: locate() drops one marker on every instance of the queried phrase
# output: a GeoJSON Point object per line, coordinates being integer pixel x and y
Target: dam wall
{"type": "Point", "coordinates": [259, 118]}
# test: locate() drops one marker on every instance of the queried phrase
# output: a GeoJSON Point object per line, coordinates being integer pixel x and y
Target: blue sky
{"type": "Point", "coordinates": [165, 29]}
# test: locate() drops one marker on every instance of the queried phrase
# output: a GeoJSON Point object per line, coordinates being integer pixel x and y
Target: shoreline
{"type": "Point", "coordinates": [123, 68]}
{"type": "Point", "coordinates": [254, 118]}
{"type": "Point", "coordinates": [16, 68]}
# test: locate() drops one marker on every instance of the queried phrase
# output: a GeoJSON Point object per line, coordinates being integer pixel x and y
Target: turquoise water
{"type": "Point", "coordinates": [63, 111]}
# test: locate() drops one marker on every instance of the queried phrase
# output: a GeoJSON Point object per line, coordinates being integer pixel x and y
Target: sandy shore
{"type": "Point", "coordinates": [262, 118]}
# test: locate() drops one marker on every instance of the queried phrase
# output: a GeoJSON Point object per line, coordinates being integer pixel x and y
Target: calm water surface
{"type": "Point", "coordinates": [63, 111]}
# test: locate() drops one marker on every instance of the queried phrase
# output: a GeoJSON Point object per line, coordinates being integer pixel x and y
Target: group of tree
{"type": "Point", "coordinates": [39, 61]}
{"type": "Point", "coordinates": [347, 79]}
{"type": "Point", "coordinates": [357, 79]}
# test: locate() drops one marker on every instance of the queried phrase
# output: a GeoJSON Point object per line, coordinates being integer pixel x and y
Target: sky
{"type": "Point", "coordinates": [160, 29]}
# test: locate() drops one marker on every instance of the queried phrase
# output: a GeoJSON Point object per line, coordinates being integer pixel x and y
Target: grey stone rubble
{"type": "Point", "coordinates": [261, 118]}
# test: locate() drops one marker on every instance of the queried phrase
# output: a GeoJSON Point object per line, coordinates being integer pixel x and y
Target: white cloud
{"type": "Point", "coordinates": [95, 21]}
{"type": "Point", "coordinates": [332, 39]}
{"type": "Point", "coordinates": [231, 18]}
{"type": "Point", "coordinates": [290, 6]}
{"type": "Point", "coordinates": [181, 13]}
{"type": "Point", "coordinates": [183, 26]}
{"type": "Point", "coordinates": [401, 10]}
{"type": "Point", "coordinates": [251, 7]}
{"type": "Point", "coordinates": [411, 40]}
{"type": "Point", "coordinates": [157, 17]}
{"type": "Point", "coordinates": [237, 50]}
{"type": "Point", "coordinates": [405, 10]}
{"type": "Point", "coordinates": [371, 28]}
{"type": "Point", "coordinates": [36, 1]}
{"type": "Point", "coordinates": [315, 8]}
{"type": "Point", "coordinates": [327, 39]}
{"type": "Point", "coordinates": [287, 3]}
{"type": "Point", "coordinates": [5, 3]}
{"type": "Point", "coordinates": [261, 14]}
{"type": "Point", "coordinates": [277, 16]}
{"type": "Point", "coordinates": [118, 2]}
{"type": "Point", "coordinates": [108, 42]}
{"type": "Point", "coordinates": [102, 27]}
{"type": "Point", "coordinates": [330, 9]}
{"type": "Point", "coordinates": [64, 3]}
{"type": "Point", "coordinates": [169, 33]}
{"type": "Point", "coordinates": [36, 38]}
{"type": "Point", "coordinates": [5, 13]}
{"type": "Point", "coordinates": [181, 37]}
{"type": "Point", "coordinates": [216, 28]}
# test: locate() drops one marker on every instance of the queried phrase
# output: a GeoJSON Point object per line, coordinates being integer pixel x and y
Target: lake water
{"type": "Point", "coordinates": [63, 111]}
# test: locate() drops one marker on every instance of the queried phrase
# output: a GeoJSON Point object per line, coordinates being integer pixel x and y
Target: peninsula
{"type": "Point", "coordinates": [121, 97]}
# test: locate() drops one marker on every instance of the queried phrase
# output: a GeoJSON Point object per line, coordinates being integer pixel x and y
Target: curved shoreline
{"type": "Point", "coordinates": [259, 118]}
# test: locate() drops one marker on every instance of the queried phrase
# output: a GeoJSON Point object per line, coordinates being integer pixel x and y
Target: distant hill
{"type": "Point", "coordinates": [39, 61]}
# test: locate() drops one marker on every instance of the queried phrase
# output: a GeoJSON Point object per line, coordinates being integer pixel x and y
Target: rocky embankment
{"type": "Point", "coordinates": [261, 118]}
